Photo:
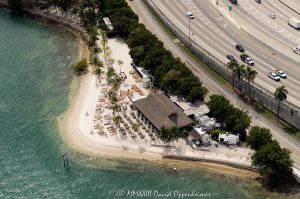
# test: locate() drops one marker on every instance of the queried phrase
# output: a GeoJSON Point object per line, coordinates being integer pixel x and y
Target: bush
{"type": "Point", "coordinates": [236, 120]}
{"type": "Point", "coordinates": [80, 66]}
{"type": "Point", "coordinates": [214, 134]}
{"type": "Point", "coordinates": [273, 160]}
{"type": "Point", "coordinates": [258, 136]}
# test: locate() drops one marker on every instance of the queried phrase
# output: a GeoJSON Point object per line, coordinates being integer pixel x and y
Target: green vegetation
{"type": "Point", "coordinates": [170, 74]}
{"type": "Point", "coordinates": [250, 75]}
{"type": "Point", "coordinates": [258, 136]}
{"type": "Point", "coordinates": [235, 119]}
{"type": "Point", "coordinates": [214, 134]}
{"type": "Point", "coordinates": [288, 128]}
{"type": "Point", "coordinates": [280, 95]}
{"type": "Point", "coordinates": [80, 67]}
{"type": "Point", "coordinates": [273, 160]}
{"type": "Point", "coordinates": [167, 134]}
{"type": "Point", "coordinates": [241, 72]}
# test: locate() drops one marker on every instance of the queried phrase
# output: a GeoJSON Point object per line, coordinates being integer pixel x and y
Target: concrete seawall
{"type": "Point", "coordinates": [227, 163]}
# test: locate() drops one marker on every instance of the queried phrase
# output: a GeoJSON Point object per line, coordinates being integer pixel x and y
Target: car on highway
{"type": "Point", "coordinates": [247, 59]}
{"type": "Point", "coordinates": [240, 48]}
{"type": "Point", "coordinates": [231, 57]}
{"type": "Point", "coordinates": [271, 15]}
{"type": "Point", "coordinates": [297, 50]}
{"type": "Point", "coordinates": [190, 15]}
{"type": "Point", "coordinates": [258, 1]}
{"type": "Point", "coordinates": [273, 76]}
{"type": "Point", "coordinates": [281, 74]}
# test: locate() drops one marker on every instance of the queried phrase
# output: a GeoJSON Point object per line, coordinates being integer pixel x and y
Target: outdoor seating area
{"type": "Point", "coordinates": [136, 89]}
{"type": "Point", "coordinates": [135, 76]}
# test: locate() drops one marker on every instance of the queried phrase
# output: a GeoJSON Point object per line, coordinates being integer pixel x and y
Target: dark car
{"type": "Point", "coordinates": [230, 57]}
{"type": "Point", "coordinates": [240, 48]}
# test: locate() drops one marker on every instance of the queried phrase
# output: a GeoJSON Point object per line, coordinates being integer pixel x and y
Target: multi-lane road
{"type": "Point", "coordinates": [268, 41]}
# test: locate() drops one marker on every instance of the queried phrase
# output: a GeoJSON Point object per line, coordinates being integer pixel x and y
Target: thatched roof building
{"type": "Point", "coordinates": [160, 111]}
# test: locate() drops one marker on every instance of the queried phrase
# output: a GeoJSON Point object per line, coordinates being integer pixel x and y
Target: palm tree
{"type": "Point", "coordinates": [232, 65]}
{"type": "Point", "coordinates": [250, 75]}
{"type": "Point", "coordinates": [110, 73]}
{"type": "Point", "coordinates": [98, 72]}
{"type": "Point", "coordinates": [116, 108]}
{"type": "Point", "coordinates": [117, 119]}
{"type": "Point", "coordinates": [280, 95]}
{"type": "Point", "coordinates": [167, 134]}
{"type": "Point", "coordinates": [239, 71]}
{"type": "Point", "coordinates": [135, 127]}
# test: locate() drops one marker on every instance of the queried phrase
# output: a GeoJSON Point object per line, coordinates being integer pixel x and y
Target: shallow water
{"type": "Point", "coordinates": [35, 80]}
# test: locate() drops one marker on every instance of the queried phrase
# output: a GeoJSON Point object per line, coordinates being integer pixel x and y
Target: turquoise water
{"type": "Point", "coordinates": [35, 82]}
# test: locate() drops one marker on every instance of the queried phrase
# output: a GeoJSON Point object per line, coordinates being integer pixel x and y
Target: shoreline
{"type": "Point", "coordinates": [70, 133]}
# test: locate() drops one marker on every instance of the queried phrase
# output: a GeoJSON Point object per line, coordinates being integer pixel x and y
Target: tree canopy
{"type": "Point", "coordinates": [258, 136]}
{"type": "Point", "coordinates": [273, 160]}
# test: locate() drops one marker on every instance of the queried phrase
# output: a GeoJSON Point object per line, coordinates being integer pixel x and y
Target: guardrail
{"type": "Point", "coordinates": [288, 111]}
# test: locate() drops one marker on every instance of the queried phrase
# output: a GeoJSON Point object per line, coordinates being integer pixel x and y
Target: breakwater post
{"type": "Point", "coordinates": [66, 160]}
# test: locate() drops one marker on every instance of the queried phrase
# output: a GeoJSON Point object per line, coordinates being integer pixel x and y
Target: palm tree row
{"type": "Point", "coordinates": [242, 72]}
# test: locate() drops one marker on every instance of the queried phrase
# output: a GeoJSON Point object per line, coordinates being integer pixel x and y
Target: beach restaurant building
{"type": "Point", "coordinates": [158, 111]}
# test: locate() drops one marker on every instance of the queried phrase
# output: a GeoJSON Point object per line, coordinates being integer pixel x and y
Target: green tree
{"type": "Point", "coordinates": [237, 121]}
{"type": "Point", "coordinates": [98, 71]}
{"type": "Point", "coordinates": [250, 75]}
{"type": "Point", "coordinates": [232, 65]}
{"type": "Point", "coordinates": [135, 127]}
{"type": "Point", "coordinates": [219, 106]}
{"type": "Point", "coordinates": [239, 71]}
{"type": "Point", "coordinates": [168, 134]}
{"type": "Point", "coordinates": [110, 73]}
{"type": "Point", "coordinates": [280, 95]}
{"type": "Point", "coordinates": [273, 160]}
{"type": "Point", "coordinates": [80, 66]}
{"type": "Point", "coordinates": [258, 136]}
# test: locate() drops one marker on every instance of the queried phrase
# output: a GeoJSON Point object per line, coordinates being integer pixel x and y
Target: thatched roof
{"type": "Point", "coordinates": [161, 111]}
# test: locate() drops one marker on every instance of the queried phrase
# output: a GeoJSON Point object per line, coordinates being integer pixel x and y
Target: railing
{"type": "Point", "coordinates": [288, 111]}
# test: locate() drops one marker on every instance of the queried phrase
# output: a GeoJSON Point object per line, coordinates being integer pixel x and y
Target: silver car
{"type": "Point", "coordinates": [280, 73]}
{"type": "Point", "coordinates": [274, 76]}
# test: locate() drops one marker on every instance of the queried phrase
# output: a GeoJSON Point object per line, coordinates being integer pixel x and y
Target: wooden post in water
{"type": "Point", "coordinates": [66, 160]}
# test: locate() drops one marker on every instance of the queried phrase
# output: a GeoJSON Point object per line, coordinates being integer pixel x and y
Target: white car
{"type": "Point", "coordinates": [272, 15]}
{"type": "Point", "coordinates": [280, 73]}
{"type": "Point", "coordinates": [297, 50]}
{"type": "Point", "coordinates": [190, 15]}
{"type": "Point", "coordinates": [274, 76]}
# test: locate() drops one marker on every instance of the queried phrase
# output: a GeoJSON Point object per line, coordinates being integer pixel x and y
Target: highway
{"type": "Point", "coordinates": [216, 30]}
{"type": "Point", "coordinates": [214, 87]}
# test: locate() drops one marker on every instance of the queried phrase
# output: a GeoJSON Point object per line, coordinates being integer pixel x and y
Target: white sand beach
{"type": "Point", "coordinates": [87, 124]}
